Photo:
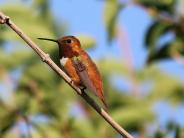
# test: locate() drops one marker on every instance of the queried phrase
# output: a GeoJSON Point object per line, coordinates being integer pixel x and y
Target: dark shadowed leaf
{"type": "Point", "coordinates": [162, 5]}
{"type": "Point", "coordinates": [163, 53]}
{"type": "Point", "coordinates": [178, 132]}
{"type": "Point", "coordinates": [7, 121]}
{"type": "Point", "coordinates": [167, 51]}
{"type": "Point", "coordinates": [154, 32]}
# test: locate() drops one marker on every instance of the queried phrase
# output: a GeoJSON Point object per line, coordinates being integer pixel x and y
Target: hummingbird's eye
{"type": "Point", "coordinates": [68, 41]}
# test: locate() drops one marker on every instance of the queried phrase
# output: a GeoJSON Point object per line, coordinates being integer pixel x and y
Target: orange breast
{"type": "Point", "coordinates": [70, 70]}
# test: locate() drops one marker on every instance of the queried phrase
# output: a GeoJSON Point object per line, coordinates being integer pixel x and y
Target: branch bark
{"type": "Point", "coordinates": [45, 58]}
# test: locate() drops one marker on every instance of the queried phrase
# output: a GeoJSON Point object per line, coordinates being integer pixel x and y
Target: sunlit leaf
{"type": "Point", "coordinates": [110, 14]}
{"type": "Point", "coordinates": [15, 59]}
{"type": "Point", "coordinates": [32, 25]}
{"type": "Point", "coordinates": [86, 41]}
{"type": "Point", "coordinates": [133, 116]}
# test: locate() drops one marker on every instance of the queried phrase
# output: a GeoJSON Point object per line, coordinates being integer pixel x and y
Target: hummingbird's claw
{"type": "Point", "coordinates": [82, 88]}
{"type": "Point", "coordinates": [72, 82]}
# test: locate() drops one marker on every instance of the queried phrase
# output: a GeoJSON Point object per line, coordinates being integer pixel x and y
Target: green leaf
{"type": "Point", "coordinates": [7, 120]}
{"type": "Point", "coordinates": [163, 53]}
{"type": "Point", "coordinates": [80, 126]}
{"type": "Point", "coordinates": [32, 24]}
{"type": "Point", "coordinates": [162, 5]}
{"type": "Point", "coordinates": [42, 6]}
{"type": "Point", "coordinates": [178, 132]}
{"type": "Point", "coordinates": [86, 41]}
{"type": "Point", "coordinates": [167, 88]}
{"type": "Point", "coordinates": [154, 32]}
{"type": "Point", "coordinates": [31, 73]}
{"type": "Point", "coordinates": [9, 61]}
{"type": "Point", "coordinates": [112, 66]}
{"type": "Point", "coordinates": [167, 51]}
{"type": "Point", "coordinates": [153, 35]}
{"type": "Point", "coordinates": [110, 13]}
{"type": "Point", "coordinates": [132, 117]}
{"type": "Point", "coordinates": [159, 134]}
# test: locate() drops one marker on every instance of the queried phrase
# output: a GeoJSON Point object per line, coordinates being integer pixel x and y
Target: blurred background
{"type": "Point", "coordinates": [138, 47]}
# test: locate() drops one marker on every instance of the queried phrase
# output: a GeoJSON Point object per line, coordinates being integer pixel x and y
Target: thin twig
{"type": "Point", "coordinates": [45, 58]}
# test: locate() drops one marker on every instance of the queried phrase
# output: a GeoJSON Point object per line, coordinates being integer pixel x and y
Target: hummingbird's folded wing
{"type": "Point", "coordinates": [84, 75]}
{"type": "Point", "coordinates": [81, 69]}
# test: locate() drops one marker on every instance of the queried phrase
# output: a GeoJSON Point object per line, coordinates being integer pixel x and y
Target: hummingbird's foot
{"type": "Point", "coordinates": [72, 82]}
{"type": "Point", "coordinates": [82, 88]}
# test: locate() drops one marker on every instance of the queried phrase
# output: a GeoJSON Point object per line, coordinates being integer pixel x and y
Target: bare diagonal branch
{"type": "Point", "coordinates": [45, 58]}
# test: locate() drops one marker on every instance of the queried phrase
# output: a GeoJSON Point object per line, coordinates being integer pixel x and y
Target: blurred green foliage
{"type": "Point", "coordinates": [45, 103]}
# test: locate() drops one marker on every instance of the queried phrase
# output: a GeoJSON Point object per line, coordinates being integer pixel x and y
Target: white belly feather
{"type": "Point", "coordinates": [63, 61]}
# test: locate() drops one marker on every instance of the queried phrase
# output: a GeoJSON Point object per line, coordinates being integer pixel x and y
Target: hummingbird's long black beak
{"type": "Point", "coordinates": [48, 39]}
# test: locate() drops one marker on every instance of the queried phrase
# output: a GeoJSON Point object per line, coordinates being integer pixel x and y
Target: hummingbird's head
{"type": "Point", "coordinates": [67, 45]}
{"type": "Point", "coordinates": [69, 41]}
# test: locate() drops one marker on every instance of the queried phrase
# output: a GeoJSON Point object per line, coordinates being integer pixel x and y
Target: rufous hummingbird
{"type": "Point", "coordinates": [69, 49]}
